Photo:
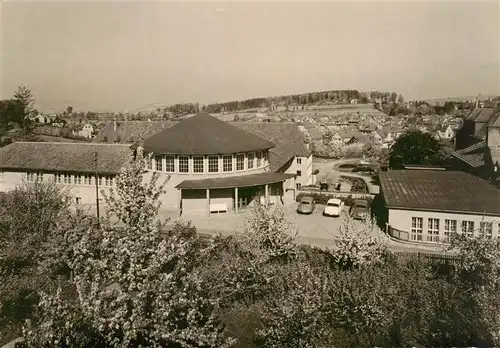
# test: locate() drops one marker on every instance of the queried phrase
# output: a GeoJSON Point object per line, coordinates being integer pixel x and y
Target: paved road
{"type": "Point", "coordinates": [324, 243]}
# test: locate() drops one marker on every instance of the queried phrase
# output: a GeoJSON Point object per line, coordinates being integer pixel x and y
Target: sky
{"type": "Point", "coordinates": [124, 56]}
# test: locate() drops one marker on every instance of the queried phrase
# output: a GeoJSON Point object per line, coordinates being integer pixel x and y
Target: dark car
{"type": "Point", "coordinates": [359, 209]}
{"type": "Point", "coordinates": [306, 205]}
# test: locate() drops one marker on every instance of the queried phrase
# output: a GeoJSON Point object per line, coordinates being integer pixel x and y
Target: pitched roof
{"type": "Point", "coordinates": [481, 115]}
{"type": "Point", "coordinates": [204, 134]}
{"type": "Point", "coordinates": [130, 131]}
{"type": "Point", "coordinates": [288, 140]}
{"type": "Point", "coordinates": [474, 156]}
{"type": "Point", "coordinates": [448, 191]}
{"type": "Point", "coordinates": [71, 157]}
{"type": "Point", "coordinates": [236, 181]}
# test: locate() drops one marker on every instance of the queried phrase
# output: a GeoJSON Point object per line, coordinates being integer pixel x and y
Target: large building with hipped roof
{"type": "Point", "coordinates": [214, 166]}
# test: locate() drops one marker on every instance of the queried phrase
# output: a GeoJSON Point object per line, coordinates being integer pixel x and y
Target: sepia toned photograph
{"type": "Point", "coordinates": [259, 174]}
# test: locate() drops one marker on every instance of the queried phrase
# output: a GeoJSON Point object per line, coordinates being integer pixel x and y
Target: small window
{"type": "Point", "coordinates": [30, 177]}
{"type": "Point", "coordinates": [299, 160]}
{"type": "Point", "coordinates": [183, 164]}
{"type": "Point", "coordinates": [78, 179]}
{"type": "Point", "coordinates": [67, 178]}
{"type": "Point", "coordinates": [1, 175]}
{"type": "Point", "coordinates": [213, 164]}
{"type": "Point", "coordinates": [108, 181]}
{"type": "Point", "coordinates": [433, 230]}
{"type": "Point", "coordinates": [450, 228]}
{"type": "Point", "coordinates": [417, 228]}
{"type": "Point", "coordinates": [240, 162]}
{"type": "Point", "coordinates": [78, 200]}
{"type": "Point", "coordinates": [159, 163]}
{"type": "Point", "coordinates": [198, 164]}
{"type": "Point", "coordinates": [259, 159]}
{"type": "Point", "coordinates": [298, 185]}
{"type": "Point", "coordinates": [299, 173]}
{"type": "Point", "coordinates": [227, 163]}
{"type": "Point", "coordinates": [58, 178]}
{"type": "Point", "coordinates": [87, 179]}
{"type": "Point", "coordinates": [39, 177]}
{"type": "Point", "coordinates": [149, 161]}
{"type": "Point", "coordinates": [468, 228]}
{"type": "Point", "coordinates": [486, 229]}
{"type": "Point", "coordinates": [250, 159]}
{"type": "Point", "coordinates": [170, 164]}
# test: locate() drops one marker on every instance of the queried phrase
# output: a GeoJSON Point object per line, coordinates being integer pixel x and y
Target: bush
{"type": "Point", "coordinates": [363, 169]}
{"type": "Point", "coordinates": [348, 165]}
{"type": "Point", "coordinates": [322, 198]}
{"type": "Point", "coordinates": [358, 185]}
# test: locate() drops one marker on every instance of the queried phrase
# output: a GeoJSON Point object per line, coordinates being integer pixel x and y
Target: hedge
{"type": "Point", "coordinates": [322, 198]}
{"type": "Point", "coordinates": [358, 185]}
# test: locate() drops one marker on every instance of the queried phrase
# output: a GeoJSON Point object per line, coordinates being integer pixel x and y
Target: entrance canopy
{"type": "Point", "coordinates": [235, 181]}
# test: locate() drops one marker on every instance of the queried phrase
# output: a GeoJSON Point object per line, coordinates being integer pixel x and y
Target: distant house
{"type": "Point", "coordinates": [448, 134]}
{"type": "Point", "coordinates": [431, 205]}
{"type": "Point", "coordinates": [378, 136]}
{"type": "Point", "coordinates": [354, 101]}
{"type": "Point", "coordinates": [87, 131]}
{"type": "Point", "coordinates": [482, 158]}
{"type": "Point", "coordinates": [474, 127]}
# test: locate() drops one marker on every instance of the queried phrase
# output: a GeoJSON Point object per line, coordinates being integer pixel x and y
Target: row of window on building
{"type": "Point", "coordinates": [450, 227]}
{"type": "Point", "coordinates": [72, 179]}
{"type": "Point", "coordinates": [243, 161]}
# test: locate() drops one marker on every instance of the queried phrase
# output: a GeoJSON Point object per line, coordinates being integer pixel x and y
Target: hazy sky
{"type": "Point", "coordinates": [123, 56]}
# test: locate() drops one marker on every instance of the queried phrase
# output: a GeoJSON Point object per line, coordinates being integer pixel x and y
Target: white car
{"type": "Point", "coordinates": [334, 207]}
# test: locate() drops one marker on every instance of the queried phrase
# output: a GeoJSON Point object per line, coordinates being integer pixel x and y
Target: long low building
{"type": "Point", "coordinates": [214, 166]}
{"type": "Point", "coordinates": [430, 205]}
{"type": "Point", "coordinates": [75, 166]}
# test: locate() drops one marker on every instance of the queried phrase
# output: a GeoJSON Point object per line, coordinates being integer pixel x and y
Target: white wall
{"type": "Point", "coordinates": [10, 180]}
{"type": "Point", "coordinates": [402, 220]}
{"type": "Point", "coordinates": [305, 167]}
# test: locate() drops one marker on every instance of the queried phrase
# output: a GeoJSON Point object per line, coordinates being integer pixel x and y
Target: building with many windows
{"type": "Point", "coordinates": [212, 165]}
{"type": "Point", "coordinates": [430, 205]}
{"type": "Point", "coordinates": [215, 166]}
{"type": "Point", "coordinates": [74, 166]}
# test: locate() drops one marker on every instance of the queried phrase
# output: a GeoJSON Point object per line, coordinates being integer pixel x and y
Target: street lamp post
{"type": "Point", "coordinates": [96, 187]}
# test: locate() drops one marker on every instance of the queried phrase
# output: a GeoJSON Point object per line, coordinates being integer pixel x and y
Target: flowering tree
{"type": "Point", "coordinates": [136, 282]}
{"type": "Point", "coordinates": [356, 244]}
{"type": "Point", "coordinates": [268, 235]}
{"type": "Point", "coordinates": [242, 266]}
{"type": "Point", "coordinates": [30, 217]}
{"type": "Point", "coordinates": [293, 317]}
{"type": "Point", "coordinates": [479, 272]}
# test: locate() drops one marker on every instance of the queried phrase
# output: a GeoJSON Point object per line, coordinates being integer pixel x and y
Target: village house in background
{"type": "Point", "coordinates": [430, 205]}
{"type": "Point", "coordinates": [478, 144]}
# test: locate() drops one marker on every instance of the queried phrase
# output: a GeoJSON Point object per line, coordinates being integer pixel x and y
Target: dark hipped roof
{"type": "Point", "coordinates": [447, 191]}
{"type": "Point", "coordinates": [287, 137]}
{"type": "Point", "coordinates": [64, 157]}
{"type": "Point", "coordinates": [204, 134]}
{"type": "Point", "coordinates": [235, 181]}
{"type": "Point", "coordinates": [474, 156]}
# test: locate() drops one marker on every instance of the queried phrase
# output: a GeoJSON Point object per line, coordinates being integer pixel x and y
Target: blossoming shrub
{"type": "Point", "coordinates": [136, 280]}
{"type": "Point", "coordinates": [356, 243]}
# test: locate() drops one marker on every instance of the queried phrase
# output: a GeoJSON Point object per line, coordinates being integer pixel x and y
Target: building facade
{"type": "Point", "coordinates": [211, 165]}
{"type": "Point", "coordinates": [215, 167]}
{"type": "Point", "coordinates": [429, 206]}
{"type": "Point", "coordinates": [78, 168]}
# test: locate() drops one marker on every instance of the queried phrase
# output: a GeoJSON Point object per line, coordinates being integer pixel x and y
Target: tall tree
{"type": "Point", "coordinates": [415, 147]}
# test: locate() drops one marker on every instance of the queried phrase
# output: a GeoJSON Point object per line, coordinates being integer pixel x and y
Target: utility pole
{"type": "Point", "coordinates": [96, 187]}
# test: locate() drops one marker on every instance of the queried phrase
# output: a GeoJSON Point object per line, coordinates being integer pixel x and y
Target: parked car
{"type": "Point", "coordinates": [359, 209]}
{"type": "Point", "coordinates": [334, 207]}
{"type": "Point", "coordinates": [306, 205]}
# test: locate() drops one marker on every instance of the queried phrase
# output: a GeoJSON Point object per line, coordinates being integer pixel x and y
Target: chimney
{"type": "Point", "coordinates": [114, 126]}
